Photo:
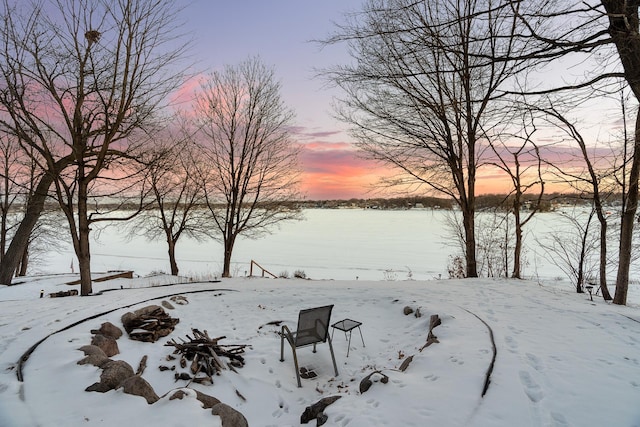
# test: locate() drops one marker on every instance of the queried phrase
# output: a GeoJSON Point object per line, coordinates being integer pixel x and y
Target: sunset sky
{"type": "Point", "coordinates": [281, 33]}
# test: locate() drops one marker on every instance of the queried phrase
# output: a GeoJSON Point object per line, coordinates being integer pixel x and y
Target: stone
{"type": "Point", "coordinates": [366, 382]}
{"type": "Point", "coordinates": [407, 310]}
{"type": "Point", "coordinates": [107, 344]}
{"type": "Point", "coordinates": [88, 350]}
{"type": "Point", "coordinates": [179, 299]}
{"type": "Point", "coordinates": [178, 394]}
{"type": "Point", "coordinates": [138, 386]}
{"type": "Point", "coordinates": [98, 360]}
{"type": "Point", "coordinates": [405, 364]}
{"type": "Point", "coordinates": [207, 401]}
{"type": "Point", "coordinates": [113, 374]}
{"type": "Point", "coordinates": [229, 416]}
{"type": "Point", "coordinates": [168, 305]}
{"type": "Point", "coordinates": [315, 411]}
{"type": "Point", "coordinates": [108, 329]}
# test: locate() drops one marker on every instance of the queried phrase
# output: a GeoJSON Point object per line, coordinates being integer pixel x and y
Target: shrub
{"type": "Point", "coordinates": [389, 275]}
{"type": "Point", "coordinates": [456, 267]}
{"type": "Point", "coordinates": [299, 274]}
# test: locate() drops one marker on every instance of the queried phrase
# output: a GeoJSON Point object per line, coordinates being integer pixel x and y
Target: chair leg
{"type": "Point", "coordinates": [335, 366]}
{"type": "Point", "coordinates": [295, 363]}
{"type": "Point", "coordinates": [282, 348]}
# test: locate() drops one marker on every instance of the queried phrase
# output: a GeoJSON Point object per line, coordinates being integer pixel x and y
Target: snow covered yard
{"type": "Point", "coordinates": [561, 359]}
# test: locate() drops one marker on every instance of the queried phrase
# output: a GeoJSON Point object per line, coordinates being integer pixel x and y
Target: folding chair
{"type": "Point", "coordinates": [313, 328]}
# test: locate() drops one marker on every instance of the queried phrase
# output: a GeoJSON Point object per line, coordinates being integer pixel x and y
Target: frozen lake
{"type": "Point", "coordinates": [340, 244]}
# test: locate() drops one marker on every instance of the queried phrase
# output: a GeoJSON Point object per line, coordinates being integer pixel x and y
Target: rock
{"type": "Point", "coordinates": [407, 310]}
{"type": "Point", "coordinates": [366, 382]}
{"type": "Point", "coordinates": [315, 411]}
{"type": "Point", "coordinates": [113, 374]}
{"type": "Point", "coordinates": [88, 350]}
{"type": "Point", "coordinates": [98, 360]}
{"type": "Point", "coordinates": [108, 329]}
{"type": "Point", "coordinates": [107, 344]}
{"type": "Point", "coordinates": [405, 363]}
{"type": "Point", "coordinates": [178, 394]}
{"type": "Point", "coordinates": [168, 305]}
{"type": "Point", "coordinates": [207, 401]}
{"type": "Point", "coordinates": [322, 419]}
{"type": "Point", "coordinates": [138, 386]}
{"type": "Point", "coordinates": [179, 299]}
{"type": "Point", "coordinates": [229, 416]}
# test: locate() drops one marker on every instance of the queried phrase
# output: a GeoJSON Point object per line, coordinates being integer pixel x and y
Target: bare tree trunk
{"type": "Point", "coordinates": [83, 252]}
{"type": "Point", "coordinates": [20, 240]}
{"type": "Point", "coordinates": [517, 250]}
{"type": "Point", "coordinates": [172, 256]}
{"type": "Point", "coordinates": [628, 222]}
{"type": "Point", "coordinates": [603, 258]}
{"type": "Point", "coordinates": [24, 263]}
{"type": "Point", "coordinates": [228, 250]}
{"type": "Point", "coordinates": [468, 219]}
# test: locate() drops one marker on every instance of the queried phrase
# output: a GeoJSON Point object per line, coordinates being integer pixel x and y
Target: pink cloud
{"type": "Point", "coordinates": [337, 171]}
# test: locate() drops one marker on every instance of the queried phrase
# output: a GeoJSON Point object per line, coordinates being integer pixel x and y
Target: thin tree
{"type": "Point", "coordinates": [178, 204]}
{"type": "Point", "coordinates": [78, 78]}
{"type": "Point", "coordinates": [570, 246]}
{"type": "Point", "coordinates": [10, 187]}
{"type": "Point", "coordinates": [598, 184]}
{"type": "Point", "coordinates": [251, 162]}
{"type": "Point", "coordinates": [522, 164]}
{"type": "Point", "coordinates": [423, 91]}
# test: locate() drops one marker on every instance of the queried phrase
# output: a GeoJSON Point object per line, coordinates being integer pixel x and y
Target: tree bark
{"type": "Point", "coordinates": [83, 251]}
{"type": "Point", "coordinates": [172, 256]}
{"type": "Point", "coordinates": [24, 263]}
{"type": "Point", "coordinates": [628, 222]}
{"type": "Point", "coordinates": [228, 249]}
{"type": "Point", "coordinates": [35, 206]}
{"type": "Point", "coordinates": [623, 28]}
{"type": "Point", "coordinates": [468, 219]}
{"type": "Point", "coordinates": [603, 258]}
{"type": "Point", "coordinates": [517, 250]}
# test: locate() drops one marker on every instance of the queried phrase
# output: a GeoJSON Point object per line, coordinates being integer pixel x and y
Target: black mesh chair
{"type": "Point", "coordinates": [313, 328]}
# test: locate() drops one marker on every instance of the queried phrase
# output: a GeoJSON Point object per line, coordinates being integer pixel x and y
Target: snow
{"type": "Point", "coordinates": [562, 360]}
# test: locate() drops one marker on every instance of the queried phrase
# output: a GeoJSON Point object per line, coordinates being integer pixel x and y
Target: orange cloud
{"type": "Point", "coordinates": [336, 171]}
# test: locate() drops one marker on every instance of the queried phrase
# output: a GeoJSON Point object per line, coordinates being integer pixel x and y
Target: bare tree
{"type": "Point", "coordinates": [607, 30]}
{"type": "Point", "coordinates": [570, 246]}
{"type": "Point", "coordinates": [522, 164]}
{"type": "Point", "coordinates": [78, 78]}
{"type": "Point", "coordinates": [596, 181]}
{"type": "Point", "coordinates": [423, 93]}
{"type": "Point", "coordinates": [251, 162]}
{"type": "Point", "coordinates": [11, 189]}
{"type": "Point", "coordinates": [178, 208]}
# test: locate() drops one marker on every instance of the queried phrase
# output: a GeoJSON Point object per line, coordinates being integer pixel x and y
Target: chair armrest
{"type": "Point", "coordinates": [286, 332]}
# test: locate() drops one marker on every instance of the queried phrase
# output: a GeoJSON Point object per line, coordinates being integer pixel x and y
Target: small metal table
{"type": "Point", "coordinates": [347, 325]}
